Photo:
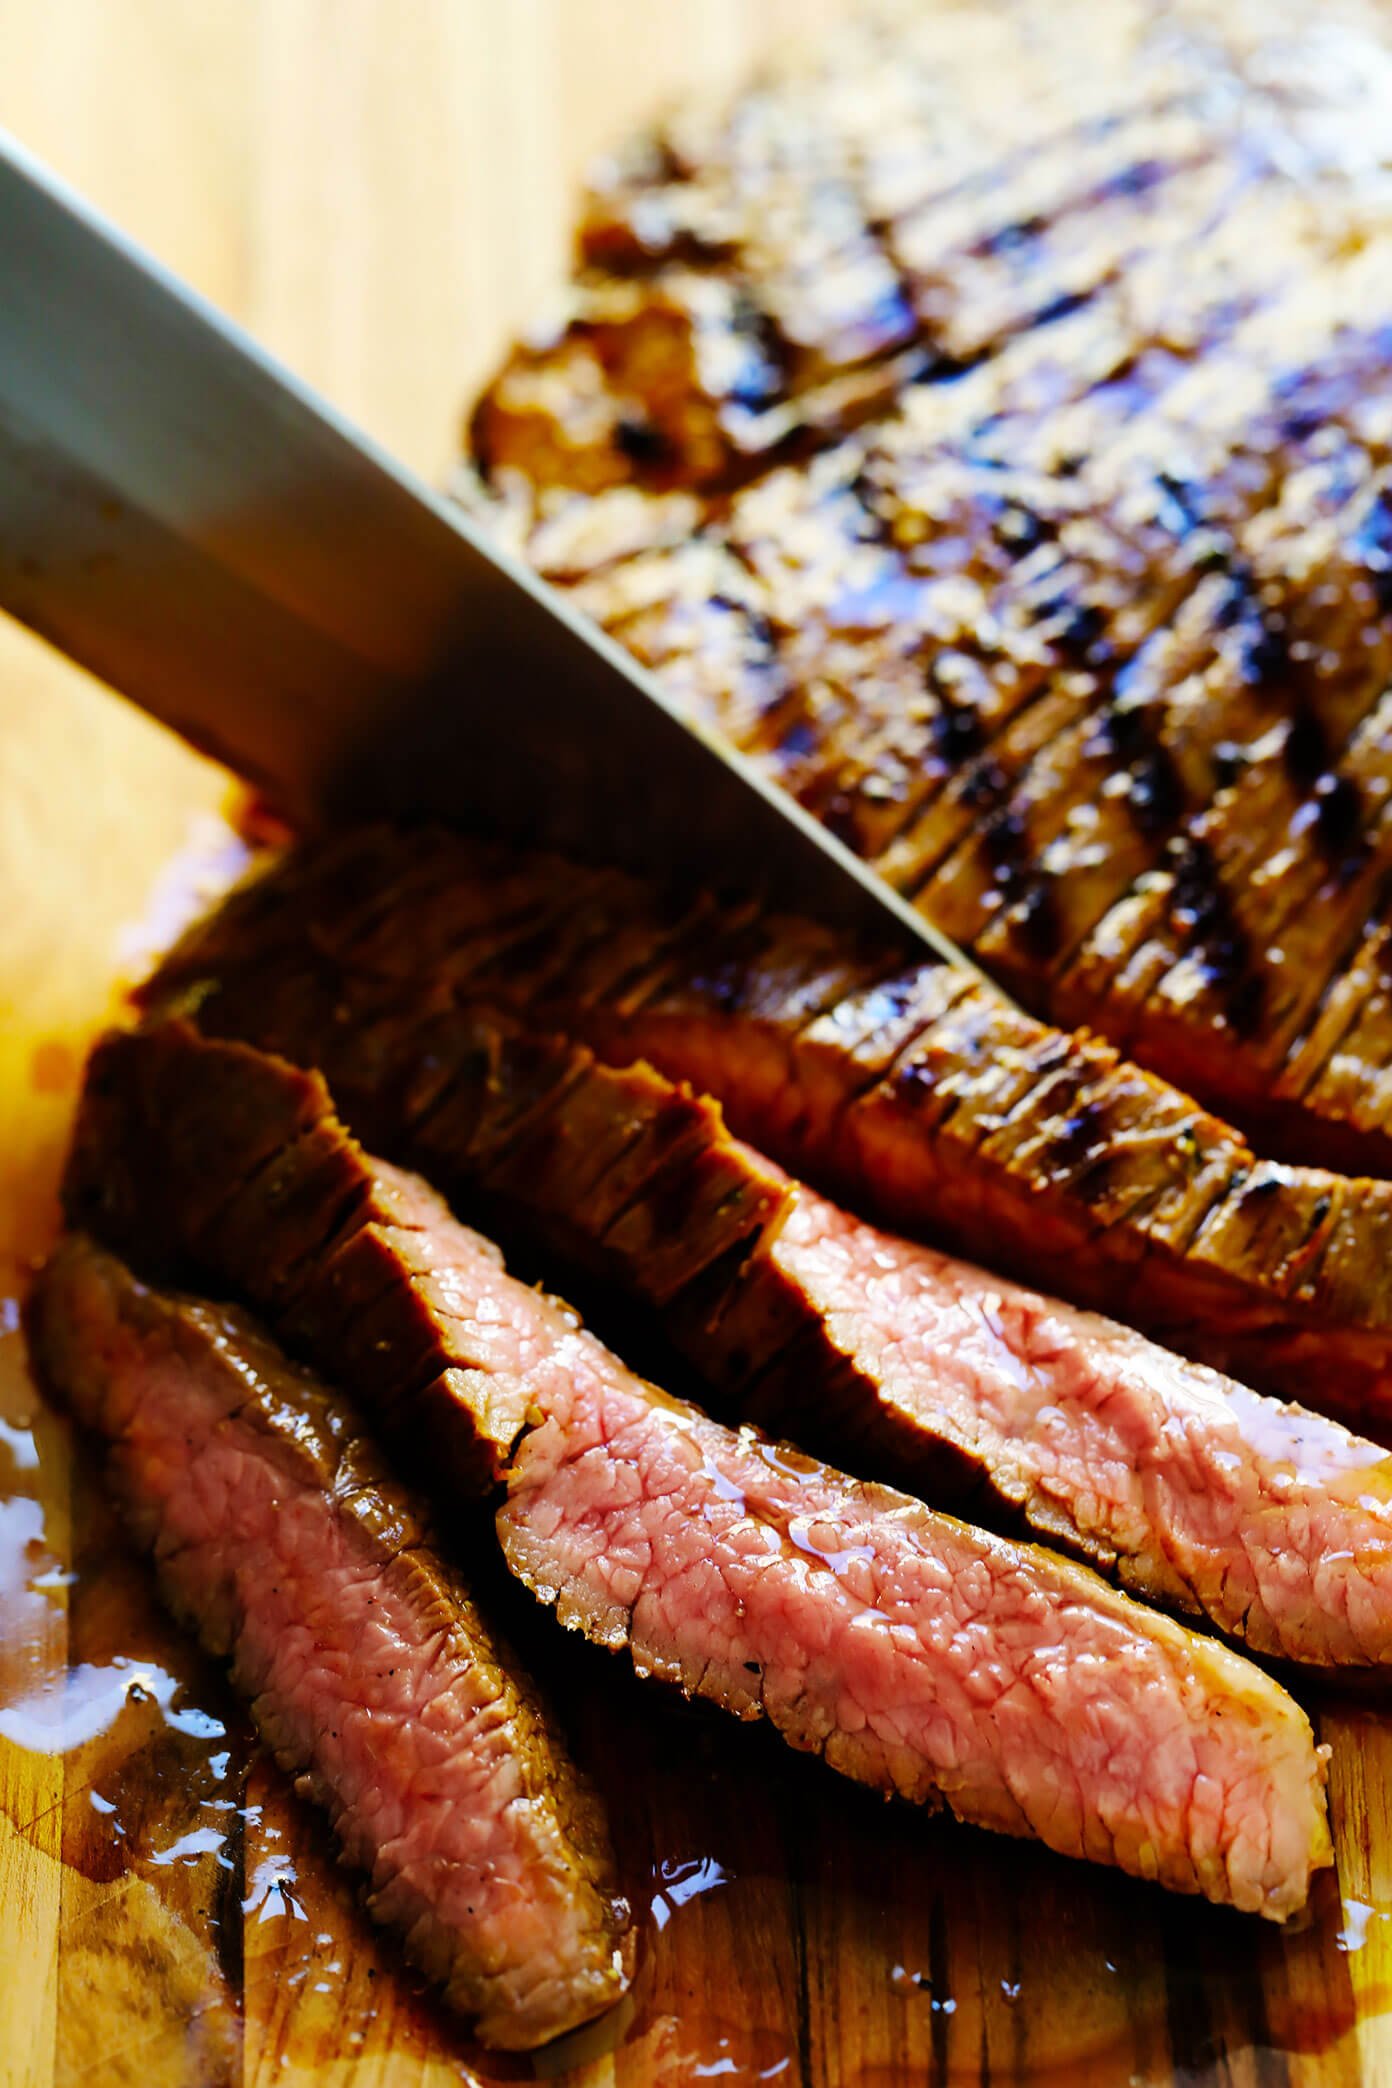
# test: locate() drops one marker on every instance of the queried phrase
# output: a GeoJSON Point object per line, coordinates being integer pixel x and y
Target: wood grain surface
{"type": "Point", "coordinates": [381, 190]}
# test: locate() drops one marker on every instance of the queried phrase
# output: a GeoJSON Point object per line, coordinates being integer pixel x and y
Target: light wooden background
{"type": "Point", "coordinates": [380, 189]}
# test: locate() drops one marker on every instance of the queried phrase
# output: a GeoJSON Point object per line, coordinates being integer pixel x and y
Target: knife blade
{"type": "Point", "coordinates": [186, 519]}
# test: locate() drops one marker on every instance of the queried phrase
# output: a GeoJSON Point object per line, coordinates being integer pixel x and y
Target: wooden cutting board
{"type": "Point", "coordinates": [381, 189]}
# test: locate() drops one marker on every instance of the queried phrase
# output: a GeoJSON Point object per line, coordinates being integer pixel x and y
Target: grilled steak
{"type": "Point", "coordinates": [278, 1536]}
{"type": "Point", "coordinates": [1087, 648]}
{"type": "Point", "coordinates": [223, 1166]}
{"type": "Point", "coordinates": [911, 1092]}
{"type": "Point", "coordinates": [915, 1653]}
{"type": "Point", "coordinates": [1273, 1524]}
{"type": "Point", "coordinates": [1269, 1521]}
{"type": "Point", "coordinates": [911, 1651]}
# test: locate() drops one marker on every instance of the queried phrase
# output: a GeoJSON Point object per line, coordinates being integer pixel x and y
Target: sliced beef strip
{"type": "Point", "coordinates": [908, 1091]}
{"type": "Point", "coordinates": [1271, 1523]}
{"type": "Point", "coordinates": [278, 1536]}
{"type": "Point", "coordinates": [914, 1653]}
{"type": "Point", "coordinates": [219, 1164]}
{"type": "Point", "coordinates": [910, 1650]}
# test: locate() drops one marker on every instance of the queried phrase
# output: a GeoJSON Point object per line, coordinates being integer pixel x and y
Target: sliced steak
{"type": "Point", "coordinates": [220, 1165]}
{"type": "Point", "coordinates": [908, 1091]}
{"type": "Point", "coordinates": [885, 211]}
{"type": "Point", "coordinates": [911, 1651]}
{"type": "Point", "coordinates": [278, 1536]}
{"type": "Point", "coordinates": [1269, 1521]}
{"type": "Point", "coordinates": [915, 1653]}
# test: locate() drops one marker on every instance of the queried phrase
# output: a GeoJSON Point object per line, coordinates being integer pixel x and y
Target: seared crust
{"type": "Point", "coordinates": [1087, 648]}
{"type": "Point", "coordinates": [915, 1653]}
{"type": "Point", "coordinates": [1265, 1520]}
{"type": "Point", "coordinates": [915, 1094]}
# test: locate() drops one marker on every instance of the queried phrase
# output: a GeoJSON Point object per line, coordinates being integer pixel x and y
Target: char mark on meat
{"type": "Point", "coordinates": [858, 1621]}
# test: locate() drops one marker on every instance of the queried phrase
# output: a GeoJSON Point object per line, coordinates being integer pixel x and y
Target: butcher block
{"type": "Point", "coordinates": [383, 193]}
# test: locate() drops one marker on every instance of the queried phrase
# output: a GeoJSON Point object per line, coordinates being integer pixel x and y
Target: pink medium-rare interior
{"type": "Point", "coordinates": [1274, 1520]}
{"type": "Point", "coordinates": [913, 1652]}
{"type": "Point", "coordinates": [352, 1661]}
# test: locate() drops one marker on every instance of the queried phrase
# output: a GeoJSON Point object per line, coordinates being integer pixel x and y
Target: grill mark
{"type": "Point", "coordinates": [1155, 797]}
{"type": "Point", "coordinates": [1077, 1137]}
{"type": "Point", "coordinates": [1305, 751]}
{"type": "Point", "coordinates": [983, 788]}
{"type": "Point", "coordinates": [1337, 826]}
{"type": "Point", "coordinates": [889, 1077]}
{"type": "Point", "coordinates": [968, 764]}
{"type": "Point", "coordinates": [1360, 932]}
{"type": "Point", "coordinates": [1304, 754]}
{"type": "Point", "coordinates": [1035, 920]}
{"type": "Point", "coordinates": [1202, 912]}
{"type": "Point", "coordinates": [1310, 1251]}
{"type": "Point", "coordinates": [1051, 1059]}
{"type": "Point", "coordinates": [1053, 1055]}
{"type": "Point", "coordinates": [504, 1129]}
{"type": "Point", "coordinates": [1339, 816]}
{"type": "Point", "coordinates": [1039, 1099]}
{"type": "Point", "coordinates": [1133, 180]}
{"type": "Point", "coordinates": [1374, 539]}
{"type": "Point", "coordinates": [1081, 633]}
{"type": "Point", "coordinates": [1072, 132]}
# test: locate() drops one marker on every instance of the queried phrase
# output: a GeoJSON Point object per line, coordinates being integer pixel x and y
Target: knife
{"type": "Point", "coordinates": [187, 520]}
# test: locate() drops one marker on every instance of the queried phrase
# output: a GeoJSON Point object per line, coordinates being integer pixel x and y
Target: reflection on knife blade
{"type": "Point", "coordinates": [185, 519]}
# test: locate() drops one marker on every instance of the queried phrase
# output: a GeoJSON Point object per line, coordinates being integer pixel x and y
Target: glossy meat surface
{"type": "Point", "coordinates": [986, 427]}
{"type": "Point", "coordinates": [915, 1653]}
{"type": "Point", "coordinates": [1267, 1520]}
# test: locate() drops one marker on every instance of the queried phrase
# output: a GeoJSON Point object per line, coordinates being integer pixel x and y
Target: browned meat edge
{"type": "Point", "coordinates": [910, 1092]}
{"type": "Point", "coordinates": [913, 1652]}
{"type": "Point", "coordinates": [1088, 648]}
{"type": "Point", "coordinates": [1265, 1520]}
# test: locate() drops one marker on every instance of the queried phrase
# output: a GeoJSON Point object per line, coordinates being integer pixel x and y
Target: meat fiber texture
{"type": "Point", "coordinates": [225, 1166]}
{"type": "Point", "coordinates": [369, 1671]}
{"type": "Point", "coordinates": [1267, 1520]}
{"type": "Point", "coordinates": [911, 1651]}
{"type": "Point", "coordinates": [906, 1089]}
{"type": "Point", "coordinates": [1272, 1522]}
{"type": "Point", "coordinates": [915, 1653]}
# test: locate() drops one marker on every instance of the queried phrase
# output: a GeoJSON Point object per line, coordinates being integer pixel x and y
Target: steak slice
{"type": "Point", "coordinates": [1273, 1524]}
{"type": "Point", "coordinates": [908, 1091]}
{"type": "Point", "coordinates": [1269, 1521]}
{"type": "Point", "coordinates": [892, 207]}
{"type": "Point", "coordinates": [217, 1164]}
{"type": "Point", "coordinates": [913, 1652]}
{"type": "Point", "coordinates": [916, 1654]}
{"type": "Point", "coordinates": [279, 1538]}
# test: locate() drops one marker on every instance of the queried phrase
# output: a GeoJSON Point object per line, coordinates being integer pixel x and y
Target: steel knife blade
{"type": "Point", "coordinates": [186, 519]}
